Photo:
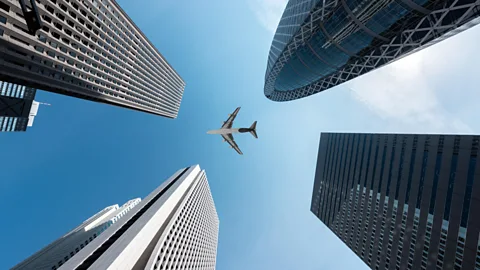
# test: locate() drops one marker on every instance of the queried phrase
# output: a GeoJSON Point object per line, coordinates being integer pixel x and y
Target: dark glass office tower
{"type": "Point", "coordinates": [401, 201]}
{"type": "Point", "coordinates": [17, 107]}
{"type": "Point", "coordinates": [322, 43]}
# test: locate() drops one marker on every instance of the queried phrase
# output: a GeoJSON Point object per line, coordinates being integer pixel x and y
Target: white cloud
{"type": "Point", "coordinates": [268, 12]}
{"type": "Point", "coordinates": [417, 92]}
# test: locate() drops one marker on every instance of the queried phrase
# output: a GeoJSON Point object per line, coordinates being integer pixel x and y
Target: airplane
{"type": "Point", "coordinates": [226, 131]}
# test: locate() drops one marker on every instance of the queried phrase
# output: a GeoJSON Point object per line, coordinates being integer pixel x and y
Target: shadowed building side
{"type": "Point", "coordinates": [401, 201]}
{"type": "Point", "coordinates": [17, 107]}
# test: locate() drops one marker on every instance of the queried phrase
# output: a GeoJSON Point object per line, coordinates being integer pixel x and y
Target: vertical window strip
{"type": "Point", "coordinates": [400, 169]}
{"type": "Point", "coordinates": [361, 160]}
{"type": "Point", "coordinates": [413, 241]}
{"type": "Point", "coordinates": [433, 196]}
{"type": "Point", "coordinates": [368, 161]}
{"type": "Point", "coordinates": [382, 169]}
{"type": "Point", "coordinates": [370, 198]}
{"type": "Point", "coordinates": [357, 194]}
{"type": "Point", "coordinates": [362, 203]}
{"type": "Point", "coordinates": [410, 172]}
{"type": "Point", "coordinates": [14, 91]}
{"type": "Point", "coordinates": [5, 122]}
{"type": "Point", "coordinates": [468, 191]}
{"type": "Point", "coordinates": [353, 207]}
{"type": "Point", "coordinates": [346, 188]}
{"type": "Point", "coordinates": [342, 177]}
{"type": "Point", "coordinates": [351, 190]}
{"type": "Point", "coordinates": [324, 179]}
{"type": "Point", "coordinates": [331, 181]}
{"type": "Point", "coordinates": [9, 89]}
{"type": "Point", "coordinates": [14, 124]}
{"type": "Point", "coordinates": [451, 183]}
{"type": "Point", "coordinates": [402, 233]}
{"type": "Point", "coordinates": [462, 232]}
{"type": "Point", "coordinates": [428, 232]}
{"type": "Point", "coordinates": [334, 177]}
{"type": "Point", "coordinates": [422, 179]}
{"type": "Point", "coordinates": [328, 182]}
{"type": "Point", "coordinates": [375, 163]}
{"type": "Point", "coordinates": [10, 120]}
{"type": "Point", "coordinates": [391, 165]}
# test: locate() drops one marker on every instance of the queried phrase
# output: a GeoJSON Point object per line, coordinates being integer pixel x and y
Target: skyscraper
{"type": "Point", "coordinates": [321, 44]}
{"type": "Point", "coordinates": [17, 107]}
{"type": "Point", "coordinates": [90, 50]}
{"type": "Point", "coordinates": [174, 227]}
{"type": "Point", "coordinates": [67, 246]}
{"type": "Point", "coordinates": [401, 201]}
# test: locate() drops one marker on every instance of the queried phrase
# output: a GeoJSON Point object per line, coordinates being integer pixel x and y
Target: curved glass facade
{"type": "Point", "coordinates": [323, 43]}
{"type": "Point", "coordinates": [339, 40]}
{"type": "Point", "coordinates": [293, 17]}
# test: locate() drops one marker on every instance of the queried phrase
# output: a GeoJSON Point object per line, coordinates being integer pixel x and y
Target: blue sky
{"type": "Point", "coordinates": [81, 156]}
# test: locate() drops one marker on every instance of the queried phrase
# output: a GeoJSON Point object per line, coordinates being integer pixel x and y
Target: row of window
{"type": "Point", "coordinates": [195, 219]}
{"type": "Point", "coordinates": [344, 216]}
{"type": "Point", "coordinates": [72, 253]}
{"type": "Point", "coordinates": [327, 215]}
{"type": "Point", "coordinates": [117, 43]}
{"type": "Point", "coordinates": [64, 70]}
{"type": "Point", "coordinates": [12, 90]}
{"type": "Point", "coordinates": [8, 124]}
{"type": "Point", "coordinates": [91, 64]}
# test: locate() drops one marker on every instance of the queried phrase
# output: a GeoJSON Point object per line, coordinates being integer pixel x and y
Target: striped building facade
{"type": "Point", "coordinates": [17, 107]}
{"type": "Point", "coordinates": [88, 49]}
{"type": "Point", "coordinates": [401, 201]}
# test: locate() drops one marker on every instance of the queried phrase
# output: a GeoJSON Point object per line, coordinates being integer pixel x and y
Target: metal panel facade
{"type": "Point", "coordinates": [88, 49]}
{"type": "Point", "coordinates": [401, 201]}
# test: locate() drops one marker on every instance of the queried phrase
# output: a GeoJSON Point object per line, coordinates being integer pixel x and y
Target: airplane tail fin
{"type": "Point", "coordinates": [253, 129]}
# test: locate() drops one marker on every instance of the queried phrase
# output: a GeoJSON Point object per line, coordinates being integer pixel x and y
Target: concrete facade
{"type": "Point", "coordinates": [88, 49]}
{"type": "Point", "coordinates": [174, 227]}
{"type": "Point", "coordinates": [61, 250]}
{"type": "Point", "coordinates": [401, 201]}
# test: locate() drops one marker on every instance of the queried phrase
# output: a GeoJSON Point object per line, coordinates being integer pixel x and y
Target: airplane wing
{"type": "Point", "coordinates": [229, 138]}
{"type": "Point", "coordinates": [229, 122]}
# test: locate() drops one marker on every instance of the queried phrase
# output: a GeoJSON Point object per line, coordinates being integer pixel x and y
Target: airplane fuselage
{"type": "Point", "coordinates": [224, 131]}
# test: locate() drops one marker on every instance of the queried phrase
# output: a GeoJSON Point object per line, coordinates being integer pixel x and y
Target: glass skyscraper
{"type": "Point", "coordinates": [321, 44]}
{"type": "Point", "coordinates": [64, 248]}
{"type": "Point", "coordinates": [401, 201]}
{"type": "Point", "coordinates": [88, 49]}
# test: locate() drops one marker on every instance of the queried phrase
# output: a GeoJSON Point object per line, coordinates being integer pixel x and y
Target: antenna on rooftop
{"type": "Point", "coordinates": [43, 103]}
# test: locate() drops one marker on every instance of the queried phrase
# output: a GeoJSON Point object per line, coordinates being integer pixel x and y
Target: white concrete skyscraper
{"type": "Point", "coordinates": [67, 246]}
{"type": "Point", "coordinates": [174, 227]}
{"type": "Point", "coordinates": [88, 49]}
